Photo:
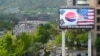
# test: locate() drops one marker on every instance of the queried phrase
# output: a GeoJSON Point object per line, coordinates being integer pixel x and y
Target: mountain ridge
{"type": "Point", "coordinates": [31, 4]}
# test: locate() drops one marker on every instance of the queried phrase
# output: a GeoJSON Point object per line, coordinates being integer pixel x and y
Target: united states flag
{"type": "Point", "coordinates": [88, 15]}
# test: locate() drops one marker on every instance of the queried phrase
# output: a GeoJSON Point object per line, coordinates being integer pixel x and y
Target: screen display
{"type": "Point", "coordinates": [77, 17]}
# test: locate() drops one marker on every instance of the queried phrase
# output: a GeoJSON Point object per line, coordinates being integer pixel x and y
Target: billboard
{"type": "Point", "coordinates": [77, 17]}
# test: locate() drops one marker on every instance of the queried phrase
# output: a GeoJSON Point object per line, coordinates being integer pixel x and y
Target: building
{"type": "Point", "coordinates": [95, 4]}
{"type": "Point", "coordinates": [69, 3]}
{"type": "Point", "coordinates": [77, 3]}
{"type": "Point", "coordinates": [27, 26]}
{"type": "Point", "coordinates": [81, 2]}
{"type": "Point", "coordinates": [96, 31]}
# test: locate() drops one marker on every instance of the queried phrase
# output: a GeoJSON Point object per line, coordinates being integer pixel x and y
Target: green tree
{"type": "Point", "coordinates": [43, 34]}
{"type": "Point", "coordinates": [82, 38]}
{"type": "Point", "coordinates": [31, 43]}
{"type": "Point", "coordinates": [27, 42]}
{"type": "Point", "coordinates": [3, 52]}
{"type": "Point", "coordinates": [58, 39]}
{"type": "Point", "coordinates": [79, 36]}
{"type": "Point", "coordinates": [97, 44]}
{"type": "Point", "coordinates": [73, 38]}
{"type": "Point", "coordinates": [7, 21]}
{"type": "Point", "coordinates": [10, 46]}
{"type": "Point", "coordinates": [26, 39]}
{"type": "Point", "coordinates": [53, 30]}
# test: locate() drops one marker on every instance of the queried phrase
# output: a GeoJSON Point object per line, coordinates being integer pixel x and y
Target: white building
{"type": "Point", "coordinates": [1, 33]}
{"type": "Point", "coordinates": [27, 26]}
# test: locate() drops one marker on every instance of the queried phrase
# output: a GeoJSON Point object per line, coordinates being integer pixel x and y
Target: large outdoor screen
{"type": "Point", "coordinates": [77, 18]}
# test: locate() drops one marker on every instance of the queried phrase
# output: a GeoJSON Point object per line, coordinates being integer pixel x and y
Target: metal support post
{"type": "Point", "coordinates": [63, 43]}
{"type": "Point", "coordinates": [89, 44]}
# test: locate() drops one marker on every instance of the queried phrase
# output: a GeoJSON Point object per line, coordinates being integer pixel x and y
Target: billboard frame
{"type": "Point", "coordinates": [80, 26]}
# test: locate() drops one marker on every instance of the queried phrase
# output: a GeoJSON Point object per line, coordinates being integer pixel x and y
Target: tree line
{"type": "Point", "coordinates": [26, 44]}
{"type": "Point", "coordinates": [45, 37]}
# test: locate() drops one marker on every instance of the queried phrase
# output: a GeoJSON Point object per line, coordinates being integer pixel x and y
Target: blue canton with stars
{"type": "Point", "coordinates": [83, 12]}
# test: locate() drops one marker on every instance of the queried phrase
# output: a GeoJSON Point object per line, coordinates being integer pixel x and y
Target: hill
{"type": "Point", "coordinates": [27, 5]}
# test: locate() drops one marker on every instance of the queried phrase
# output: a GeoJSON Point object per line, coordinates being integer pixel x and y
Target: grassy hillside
{"type": "Point", "coordinates": [31, 4]}
{"type": "Point", "coordinates": [32, 7]}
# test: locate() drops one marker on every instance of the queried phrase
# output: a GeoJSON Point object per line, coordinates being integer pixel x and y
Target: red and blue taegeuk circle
{"type": "Point", "coordinates": [70, 16]}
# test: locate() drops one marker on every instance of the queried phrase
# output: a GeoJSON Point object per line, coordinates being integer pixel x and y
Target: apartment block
{"type": "Point", "coordinates": [96, 31]}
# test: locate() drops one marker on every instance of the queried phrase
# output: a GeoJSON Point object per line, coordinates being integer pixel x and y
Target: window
{"type": "Point", "coordinates": [83, 4]}
{"type": "Point", "coordinates": [98, 2]}
{"type": "Point", "coordinates": [98, 19]}
{"type": "Point", "coordinates": [74, 2]}
{"type": "Point", "coordinates": [82, 0]}
{"type": "Point", "coordinates": [98, 11]}
{"type": "Point", "coordinates": [98, 27]}
{"type": "Point", "coordinates": [98, 35]}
